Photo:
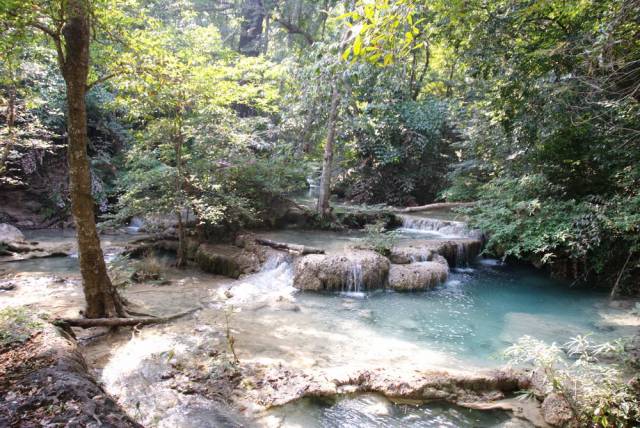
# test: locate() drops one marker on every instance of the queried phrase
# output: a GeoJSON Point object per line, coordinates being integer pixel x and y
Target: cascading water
{"type": "Point", "coordinates": [354, 281]}
{"type": "Point", "coordinates": [432, 225]}
{"type": "Point", "coordinates": [275, 280]}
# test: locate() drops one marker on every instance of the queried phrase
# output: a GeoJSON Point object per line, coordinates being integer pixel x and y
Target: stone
{"type": "Point", "coordinates": [349, 270]}
{"type": "Point", "coordinates": [456, 251]}
{"type": "Point", "coordinates": [226, 260]}
{"type": "Point", "coordinates": [10, 234]}
{"type": "Point", "coordinates": [556, 410]}
{"type": "Point", "coordinates": [417, 276]}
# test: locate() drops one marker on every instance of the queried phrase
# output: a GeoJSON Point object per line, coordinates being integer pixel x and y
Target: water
{"type": "Point", "coordinates": [369, 410]}
{"type": "Point", "coordinates": [337, 241]}
{"type": "Point", "coordinates": [463, 324]}
{"type": "Point", "coordinates": [472, 318]}
{"type": "Point", "coordinates": [443, 227]}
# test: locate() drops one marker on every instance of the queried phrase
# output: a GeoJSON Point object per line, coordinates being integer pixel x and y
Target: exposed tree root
{"type": "Point", "coordinates": [119, 322]}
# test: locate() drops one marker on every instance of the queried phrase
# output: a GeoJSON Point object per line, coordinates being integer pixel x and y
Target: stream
{"type": "Point", "coordinates": [463, 324]}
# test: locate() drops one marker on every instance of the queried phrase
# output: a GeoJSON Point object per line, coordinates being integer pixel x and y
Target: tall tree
{"type": "Point", "coordinates": [327, 160]}
{"type": "Point", "coordinates": [67, 24]}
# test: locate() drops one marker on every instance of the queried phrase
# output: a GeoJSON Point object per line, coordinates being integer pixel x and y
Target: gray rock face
{"type": "Point", "coordinates": [417, 276]}
{"type": "Point", "coordinates": [455, 251]}
{"type": "Point", "coordinates": [227, 260]}
{"type": "Point", "coordinates": [557, 411]}
{"type": "Point", "coordinates": [351, 270]}
{"type": "Point", "coordinates": [10, 233]}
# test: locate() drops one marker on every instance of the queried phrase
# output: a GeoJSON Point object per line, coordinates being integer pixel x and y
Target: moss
{"type": "Point", "coordinates": [16, 325]}
{"type": "Point", "coordinates": [219, 264]}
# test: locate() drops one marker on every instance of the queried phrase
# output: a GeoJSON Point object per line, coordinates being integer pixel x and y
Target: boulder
{"type": "Point", "coordinates": [417, 276]}
{"type": "Point", "coordinates": [10, 234]}
{"type": "Point", "coordinates": [456, 251]}
{"type": "Point", "coordinates": [349, 270]}
{"type": "Point", "coordinates": [226, 260]}
{"type": "Point", "coordinates": [557, 411]}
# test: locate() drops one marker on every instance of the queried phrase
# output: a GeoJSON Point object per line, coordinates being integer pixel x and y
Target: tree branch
{"type": "Point", "coordinates": [294, 29]}
{"type": "Point", "coordinates": [103, 79]}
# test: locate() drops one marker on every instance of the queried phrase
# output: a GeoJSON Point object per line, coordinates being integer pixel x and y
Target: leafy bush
{"type": "Point", "coordinates": [596, 392]}
{"type": "Point", "coordinates": [379, 239]}
{"type": "Point", "coordinates": [401, 153]}
{"type": "Point", "coordinates": [529, 217]}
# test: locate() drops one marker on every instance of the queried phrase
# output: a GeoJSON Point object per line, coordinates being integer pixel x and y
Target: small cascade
{"type": "Point", "coordinates": [354, 282]}
{"type": "Point", "coordinates": [135, 225]}
{"type": "Point", "coordinates": [274, 281]}
{"type": "Point", "coordinates": [314, 186]}
{"type": "Point", "coordinates": [433, 225]}
{"type": "Point", "coordinates": [462, 258]}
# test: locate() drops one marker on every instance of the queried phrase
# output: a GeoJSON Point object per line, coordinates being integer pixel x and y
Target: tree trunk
{"type": "Point", "coordinates": [325, 179]}
{"type": "Point", "coordinates": [181, 259]}
{"type": "Point", "coordinates": [267, 29]}
{"type": "Point", "coordinates": [101, 297]}
{"type": "Point", "coordinates": [251, 27]}
{"type": "Point", "coordinates": [11, 119]}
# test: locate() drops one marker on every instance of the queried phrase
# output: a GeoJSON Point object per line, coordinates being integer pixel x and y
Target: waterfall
{"type": "Point", "coordinates": [354, 282]}
{"type": "Point", "coordinates": [433, 225]}
{"type": "Point", "coordinates": [274, 281]}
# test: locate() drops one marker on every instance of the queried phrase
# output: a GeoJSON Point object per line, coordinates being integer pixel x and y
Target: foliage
{"type": "Point", "coordinates": [596, 391]}
{"type": "Point", "coordinates": [401, 152]}
{"type": "Point", "coordinates": [379, 239]}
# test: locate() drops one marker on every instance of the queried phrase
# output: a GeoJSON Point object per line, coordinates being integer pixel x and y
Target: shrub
{"type": "Point", "coordinates": [597, 392]}
{"type": "Point", "coordinates": [379, 239]}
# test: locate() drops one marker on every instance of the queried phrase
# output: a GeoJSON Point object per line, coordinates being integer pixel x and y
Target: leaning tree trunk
{"type": "Point", "coordinates": [101, 297]}
{"type": "Point", "coordinates": [327, 161]}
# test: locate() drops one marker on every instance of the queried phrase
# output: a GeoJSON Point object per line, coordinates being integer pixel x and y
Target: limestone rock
{"type": "Point", "coordinates": [10, 233]}
{"type": "Point", "coordinates": [557, 411]}
{"type": "Point", "coordinates": [455, 251]}
{"type": "Point", "coordinates": [227, 260]}
{"type": "Point", "coordinates": [417, 276]}
{"type": "Point", "coordinates": [348, 270]}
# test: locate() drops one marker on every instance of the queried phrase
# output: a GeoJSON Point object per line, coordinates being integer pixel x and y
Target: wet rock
{"type": "Point", "coordinates": [7, 286]}
{"type": "Point", "coordinates": [456, 251]}
{"type": "Point", "coordinates": [350, 270]}
{"type": "Point", "coordinates": [10, 234]}
{"type": "Point", "coordinates": [145, 247]}
{"type": "Point", "coordinates": [417, 276]}
{"type": "Point", "coordinates": [226, 260]}
{"type": "Point", "coordinates": [557, 411]}
{"type": "Point", "coordinates": [278, 386]}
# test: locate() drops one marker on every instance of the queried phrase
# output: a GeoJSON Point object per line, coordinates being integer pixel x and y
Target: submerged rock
{"type": "Point", "coordinates": [417, 276]}
{"type": "Point", "coordinates": [350, 270]}
{"type": "Point", "coordinates": [226, 260]}
{"type": "Point", "coordinates": [10, 234]}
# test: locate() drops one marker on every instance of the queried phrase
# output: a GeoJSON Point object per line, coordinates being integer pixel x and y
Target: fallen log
{"type": "Point", "coordinates": [437, 206]}
{"type": "Point", "coordinates": [119, 322]}
{"type": "Point", "coordinates": [300, 249]}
